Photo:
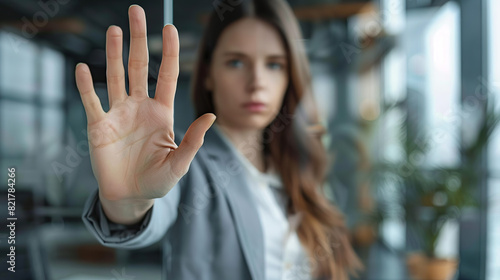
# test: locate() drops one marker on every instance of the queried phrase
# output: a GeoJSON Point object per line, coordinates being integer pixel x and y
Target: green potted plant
{"type": "Point", "coordinates": [431, 197]}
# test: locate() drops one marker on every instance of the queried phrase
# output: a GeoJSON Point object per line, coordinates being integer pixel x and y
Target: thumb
{"type": "Point", "coordinates": [191, 143]}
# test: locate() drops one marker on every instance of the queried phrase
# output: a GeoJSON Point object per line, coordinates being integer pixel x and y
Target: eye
{"type": "Point", "coordinates": [235, 63]}
{"type": "Point", "coordinates": [275, 66]}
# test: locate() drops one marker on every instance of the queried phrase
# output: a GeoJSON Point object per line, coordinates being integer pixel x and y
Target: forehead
{"type": "Point", "coordinates": [251, 36]}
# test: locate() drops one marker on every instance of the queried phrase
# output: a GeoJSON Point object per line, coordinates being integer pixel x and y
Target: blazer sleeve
{"type": "Point", "coordinates": [150, 230]}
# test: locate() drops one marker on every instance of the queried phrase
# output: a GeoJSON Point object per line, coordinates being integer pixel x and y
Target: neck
{"type": "Point", "coordinates": [248, 142]}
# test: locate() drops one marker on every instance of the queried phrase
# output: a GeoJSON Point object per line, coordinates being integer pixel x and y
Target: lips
{"type": "Point", "coordinates": [254, 106]}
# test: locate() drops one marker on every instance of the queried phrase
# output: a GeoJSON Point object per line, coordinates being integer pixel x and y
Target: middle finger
{"type": "Point", "coordinates": [138, 57]}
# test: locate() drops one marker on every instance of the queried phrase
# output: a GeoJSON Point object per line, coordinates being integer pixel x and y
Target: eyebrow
{"type": "Point", "coordinates": [234, 53]}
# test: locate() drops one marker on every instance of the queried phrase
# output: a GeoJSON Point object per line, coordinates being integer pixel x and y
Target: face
{"type": "Point", "coordinates": [248, 75]}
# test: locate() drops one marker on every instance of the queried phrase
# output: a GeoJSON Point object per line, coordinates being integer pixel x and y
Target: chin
{"type": "Point", "coordinates": [257, 122]}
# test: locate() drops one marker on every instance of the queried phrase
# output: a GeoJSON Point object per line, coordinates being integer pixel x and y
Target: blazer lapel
{"type": "Point", "coordinates": [229, 175]}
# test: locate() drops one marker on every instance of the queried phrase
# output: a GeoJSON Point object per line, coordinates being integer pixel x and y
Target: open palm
{"type": "Point", "coordinates": [132, 148]}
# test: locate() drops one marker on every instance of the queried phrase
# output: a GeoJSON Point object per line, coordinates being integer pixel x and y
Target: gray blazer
{"type": "Point", "coordinates": [209, 220]}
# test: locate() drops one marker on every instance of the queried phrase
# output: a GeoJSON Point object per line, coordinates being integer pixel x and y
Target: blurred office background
{"type": "Point", "coordinates": [408, 90]}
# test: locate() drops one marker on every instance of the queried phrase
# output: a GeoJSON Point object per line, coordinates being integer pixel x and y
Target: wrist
{"type": "Point", "coordinates": [127, 211]}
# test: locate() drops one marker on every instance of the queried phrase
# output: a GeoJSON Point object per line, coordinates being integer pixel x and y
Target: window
{"type": "Point", "coordinates": [31, 107]}
{"type": "Point", "coordinates": [493, 248]}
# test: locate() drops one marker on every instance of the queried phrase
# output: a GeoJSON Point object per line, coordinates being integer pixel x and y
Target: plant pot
{"type": "Point", "coordinates": [441, 269]}
{"type": "Point", "coordinates": [421, 267]}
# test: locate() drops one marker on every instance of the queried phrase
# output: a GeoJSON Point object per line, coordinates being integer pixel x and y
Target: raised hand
{"type": "Point", "coordinates": [132, 149]}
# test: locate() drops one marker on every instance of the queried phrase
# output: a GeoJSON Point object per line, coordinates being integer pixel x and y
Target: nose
{"type": "Point", "coordinates": [257, 78]}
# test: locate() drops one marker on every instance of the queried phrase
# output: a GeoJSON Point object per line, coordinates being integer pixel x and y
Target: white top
{"type": "Point", "coordinates": [285, 257]}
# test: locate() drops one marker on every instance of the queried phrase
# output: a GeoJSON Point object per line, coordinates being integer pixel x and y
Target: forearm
{"type": "Point", "coordinates": [126, 212]}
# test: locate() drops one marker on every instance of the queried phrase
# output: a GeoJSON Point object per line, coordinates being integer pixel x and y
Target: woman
{"type": "Point", "coordinates": [248, 205]}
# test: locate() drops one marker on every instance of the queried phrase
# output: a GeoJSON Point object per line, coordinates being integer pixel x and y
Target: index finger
{"type": "Point", "coordinates": [169, 69]}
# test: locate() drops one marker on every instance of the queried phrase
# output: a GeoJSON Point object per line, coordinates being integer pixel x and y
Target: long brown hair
{"type": "Point", "coordinates": [292, 140]}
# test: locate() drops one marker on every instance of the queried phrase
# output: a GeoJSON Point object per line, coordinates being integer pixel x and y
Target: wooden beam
{"type": "Point", "coordinates": [323, 11]}
{"type": "Point", "coordinates": [66, 25]}
{"type": "Point", "coordinates": [332, 11]}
